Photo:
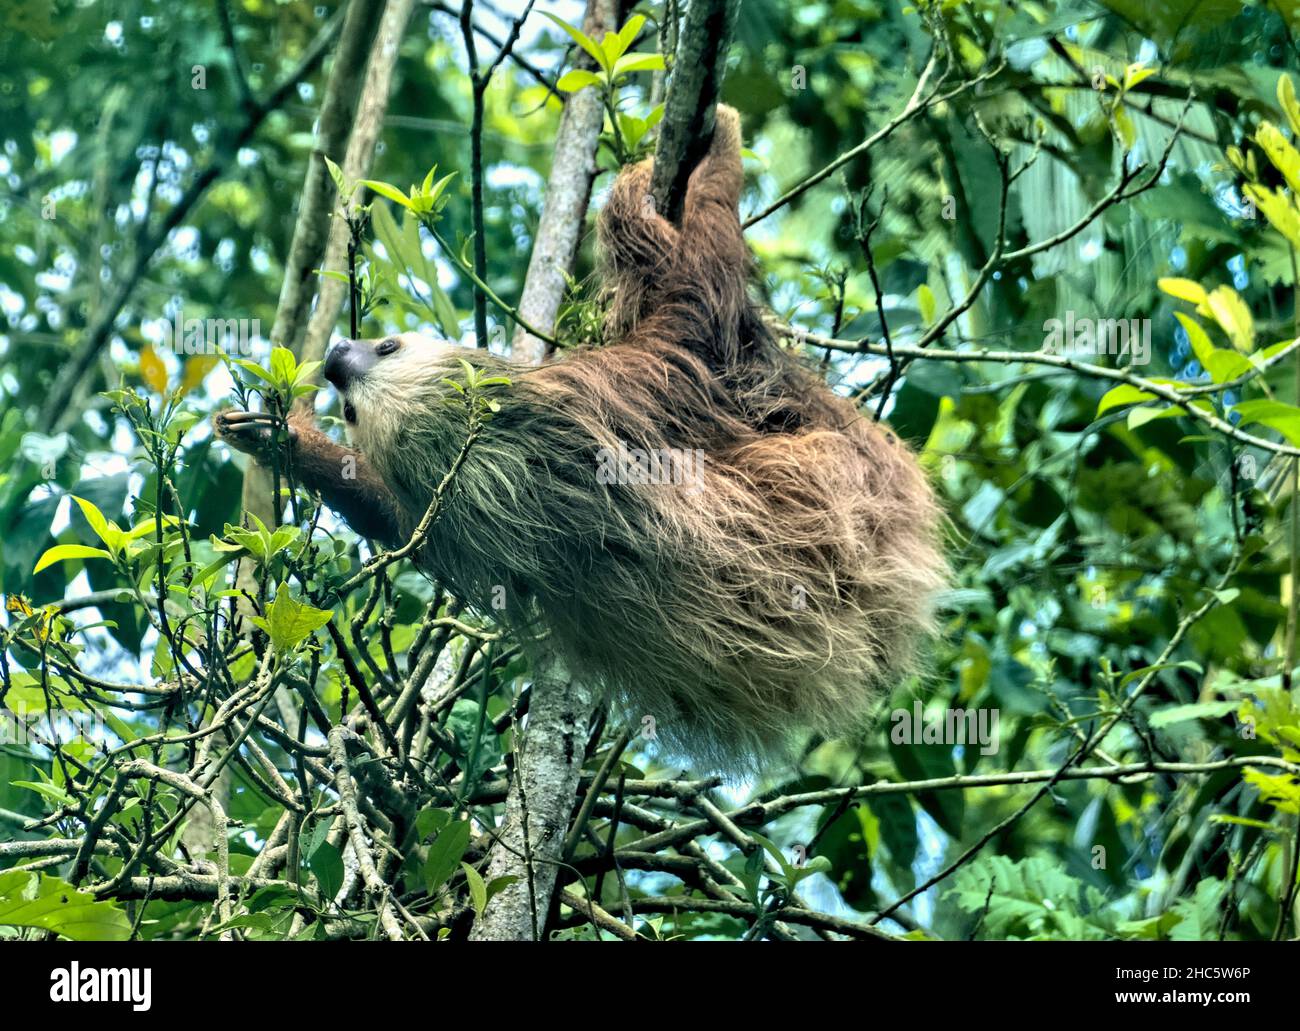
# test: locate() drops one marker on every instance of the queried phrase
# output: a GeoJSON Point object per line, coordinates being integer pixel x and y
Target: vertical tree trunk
{"type": "Point", "coordinates": [305, 254]}
{"type": "Point", "coordinates": [687, 126]}
{"type": "Point", "coordinates": [334, 126]}
{"type": "Point", "coordinates": [568, 192]}
{"type": "Point", "coordinates": [307, 248]}
{"type": "Point", "coordinates": [540, 800]}
{"type": "Point", "coordinates": [530, 841]}
{"type": "Point", "coordinates": [356, 165]}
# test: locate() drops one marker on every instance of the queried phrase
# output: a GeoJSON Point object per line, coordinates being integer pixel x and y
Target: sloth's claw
{"type": "Point", "coordinates": [235, 416]}
{"type": "Point", "coordinates": [249, 432]}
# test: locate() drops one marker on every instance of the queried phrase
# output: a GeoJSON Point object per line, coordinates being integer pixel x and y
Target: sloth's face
{"type": "Point", "coordinates": [383, 375]}
{"type": "Point", "coordinates": [389, 385]}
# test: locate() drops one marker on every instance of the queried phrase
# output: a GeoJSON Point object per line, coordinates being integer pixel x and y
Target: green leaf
{"type": "Point", "coordinates": [1184, 290]}
{"type": "Point", "coordinates": [1231, 313]}
{"type": "Point", "coordinates": [53, 792]}
{"type": "Point", "coordinates": [752, 875]}
{"type": "Point", "coordinates": [578, 78]}
{"type": "Point", "coordinates": [477, 889]}
{"type": "Point", "coordinates": [1274, 414]}
{"type": "Point", "coordinates": [1283, 155]}
{"type": "Point", "coordinates": [925, 302]}
{"type": "Point", "coordinates": [1155, 928]}
{"type": "Point", "coordinates": [628, 33]}
{"type": "Point", "coordinates": [817, 864]}
{"type": "Point", "coordinates": [629, 63]}
{"type": "Point", "coordinates": [500, 884]}
{"type": "Point", "coordinates": [428, 821]}
{"type": "Point", "coordinates": [1136, 673]}
{"type": "Point", "coordinates": [583, 40]}
{"type": "Point", "coordinates": [336, 173]}
{"type": "Point", "coordinates": [388, 233]}
{"type": "Point", "coordinates": [925, 763]}
{"type": "Point", "coordinates": [1140, 416]}
{"type": "Point", "coordinates": [104, 530]}
{"type": "Point", "coordinates": [1200, 915]}
{"type": "Point", "coordinates": [445, 855]}
{"type": "Point", "coordinates": [1196, 711]}
{"type": "Point", "coordinates": [1124, 394]}
{"type": "Point", "coordinates": [326, 865]}
{"type": "Point", "coordinates": [1032, 899]}
{"type": "Point", "coordinates": [632, 128]}
{"type": "Point", "coordinates": [61, 552]}
{"type": "Point", "coordinates": [281, 539]}
{"type": "Point", "coordinates": [1279, 790]}
{"type": "Point", "coordinates": [612, 47]}
{"type": "Point", "coordinates": [146, 527]}
{"type": "Point", "coordinates": [1220, 363]}
{"type": "Point", "coordinates": [1199, 339]}
{"type": "Point", "coordinates": [1246, 821]}
{"type": "Point", "coordinates": [775, 852]}
{"type": "Point", "coordinates": [1279, 209]}
{"type": "Point", "coordinates": [1261, 357]}
{"type": "Point", "coordinates": [305, 371]}
{"type": "Point", "coordinates": [52, 904]}
{"type": "Point", "coordinates": [256, 370]}
{"type": "Point", "coordinates": [387, 191]}
{"type": "Point", "coordinates": [1287, 101]}
{"type": "Point", "coordinates": [284, 367]}
{"type": "Point", "coordinates": [1136, 74]}
{"type": "Point", "coordinates": [440, 186]}
{"type": "Point", "coordinates": [289, 621]}
{"type": "Point", "coordinates": [406, 255]}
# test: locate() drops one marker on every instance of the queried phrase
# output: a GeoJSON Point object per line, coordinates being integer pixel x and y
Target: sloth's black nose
{"type": "Point", "coordinates": [347, 361]}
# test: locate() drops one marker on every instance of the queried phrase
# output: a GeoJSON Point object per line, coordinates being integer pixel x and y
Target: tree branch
{"type": "Point", "coordinates": [540, 800]}
{"type": "Point", "coordinates": [311, 230]}
{"type": "Point", "coordinates": [1182, 397]}
{"type": "Point", "coordinates": [568, 192]}
{"type": "Point", "coordinates": [369, 122]}
{"type": "Point", "coordinates": [689, 112]}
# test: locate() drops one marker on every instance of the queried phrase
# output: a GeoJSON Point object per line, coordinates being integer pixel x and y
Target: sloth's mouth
{"type": "Point", "coordinates": [349, 413]}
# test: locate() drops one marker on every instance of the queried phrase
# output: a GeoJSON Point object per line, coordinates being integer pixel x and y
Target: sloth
{"type": "Point", "coordinates": [777, 583]}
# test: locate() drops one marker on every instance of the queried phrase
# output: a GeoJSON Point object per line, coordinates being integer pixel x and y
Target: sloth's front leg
{"type": "Point", "coordinates": [341, 475]}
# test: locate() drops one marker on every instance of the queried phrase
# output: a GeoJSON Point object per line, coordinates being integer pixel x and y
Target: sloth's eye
{"type": "Point", "coordinates": [349, 412]}
{"type": "Point", "coordinates": [387, 347]}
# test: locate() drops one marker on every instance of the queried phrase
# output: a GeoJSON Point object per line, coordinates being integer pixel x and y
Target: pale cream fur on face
{"type": "Point", "coordinates": [396, 386]}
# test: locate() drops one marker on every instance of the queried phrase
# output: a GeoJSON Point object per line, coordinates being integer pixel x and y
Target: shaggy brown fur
{"type": "Point", "coordinates": [784, 587]}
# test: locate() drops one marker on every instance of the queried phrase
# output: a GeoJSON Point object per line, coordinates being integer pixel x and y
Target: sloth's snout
{"type": "Point", "coordinates": [347, 362]}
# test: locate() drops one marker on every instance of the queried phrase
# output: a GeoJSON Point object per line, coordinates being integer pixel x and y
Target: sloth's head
{"type": "Point", "coordinates": [394, 395]}
{"type": "Point", "coordinates": [370, 374]}
{"type": "Point", "coordinates": [389, 382]}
